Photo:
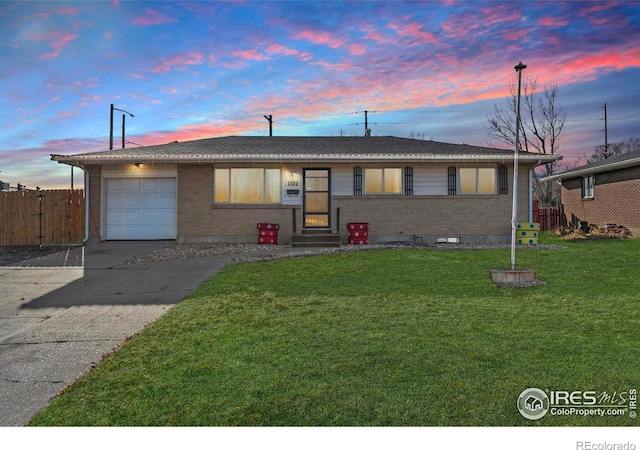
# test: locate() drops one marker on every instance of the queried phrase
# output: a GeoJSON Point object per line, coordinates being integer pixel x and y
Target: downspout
{"type": "Point", "coordinates": [531, 171]}
{"type": "Point", "coordinates": [530, 194]}
{"type": "Point", "coordinates": [86, 206]}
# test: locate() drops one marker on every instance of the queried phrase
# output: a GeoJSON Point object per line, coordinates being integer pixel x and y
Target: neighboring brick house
{"type": "Point", "coordinates": [604, 192]}
{"type": "Point", "coordinates": [219, 189]}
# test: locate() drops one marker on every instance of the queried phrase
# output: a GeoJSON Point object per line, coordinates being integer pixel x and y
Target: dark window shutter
{"type": "Point", "coordinates": [408, 180]}
{"type": "Point", "coordinates": [503, 180]}
{"type": "Point", "coordinates": [453, 189]}
{"type": "Point", "coordinates": [357, 181]}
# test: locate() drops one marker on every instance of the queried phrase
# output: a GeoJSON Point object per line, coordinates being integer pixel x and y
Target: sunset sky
{"type": "Point", "coordinates": [190, 70]}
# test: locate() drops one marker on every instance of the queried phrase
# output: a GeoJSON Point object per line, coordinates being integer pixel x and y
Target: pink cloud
{"type": "Point", "coordinates": [250, 55]}
{"type": "Point", "coordinates": [357, 49]}
{"type": "Point", "coordinates": [178, 60]}
{"type": "Point", "coordinates": [550, 21]}
{"type": "Point", "coordinates": [171, 90]}
{"type": "Point", "coordinates": [594, 8]}
{"type": "Point", "coordinates": [492, 15]}
{"type": "Point", "coordinates": [415, 31]}
{"type": "Point", "coordinates": [319, 37]}
{"type": "Point", "coordinates": [514, 35]}
{"type": "Point", "coordinates": [374, 34]}
{"type": "Point", "coordinates": [584, 67]}
{"type": "Point", "coordinates": [281, 49]}
{"type": "Point", "coordinates": [94, 98]}
{"type": "Point", "coordinates": [56, 40]}
{"type": "Point", "coordinates": [153, 17]}
{"type": "Point", "coordinates": [459, 27]}
{"type": "Point", "coordinates": [63, 11]}
{"type": "Point", "coordinates": [277, 49]}
{"type": "Point", "coordinates": [61, 116]}
{"type": "Point", "coordinates": [196, 131]}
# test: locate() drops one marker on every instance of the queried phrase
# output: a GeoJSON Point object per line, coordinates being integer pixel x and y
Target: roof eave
{"type": "Point", "coordinates": [78, 160]}
{"type": "Point", "coordinates": [592, 170]}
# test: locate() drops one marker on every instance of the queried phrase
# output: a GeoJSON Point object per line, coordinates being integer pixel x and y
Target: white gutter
{"type": "Point", "coordinates": [591, 170]}
{"type": "Point", "coordinates": [298, 158]}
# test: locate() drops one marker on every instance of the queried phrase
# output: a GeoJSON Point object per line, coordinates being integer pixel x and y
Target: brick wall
{"type": "Point", "coordinates": [474, 218]}
{"type": "Point", "coordinates": [200, 220]}
{"type": "Point", "coordinates": [95, 194]}
{"type": "Point", "coordinates": [613, 201]}
{"type": "Point", "coordinates": [477, 218]}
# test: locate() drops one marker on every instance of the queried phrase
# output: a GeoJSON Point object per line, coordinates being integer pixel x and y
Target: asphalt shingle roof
{"type": "Point", "coordinates": [615, 162]}
{"type": "Point", "coordinates": [286, 148]}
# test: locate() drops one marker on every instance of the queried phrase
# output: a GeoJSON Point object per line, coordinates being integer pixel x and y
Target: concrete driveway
{"type": "Point", "coordinates": [61, 312]}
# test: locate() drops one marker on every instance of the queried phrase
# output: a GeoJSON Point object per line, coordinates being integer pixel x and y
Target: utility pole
{"type": "Point", "coordinates": [111, 125]}
{"type": "Point", "coordinates": [270, 119]}
{"type": "Point", "coordinates": [123, 131]}
{"type": "Point", "coordinates": [366, 123]}
{"type": "Point", "coordinates": [606, 140]}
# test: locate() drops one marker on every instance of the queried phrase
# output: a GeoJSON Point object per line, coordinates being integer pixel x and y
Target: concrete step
{"type": "Point", "coordinates": [310, 239]}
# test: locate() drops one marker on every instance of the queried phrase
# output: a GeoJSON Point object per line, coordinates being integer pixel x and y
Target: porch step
{"type": "Point", "coordinates": [315, 239]}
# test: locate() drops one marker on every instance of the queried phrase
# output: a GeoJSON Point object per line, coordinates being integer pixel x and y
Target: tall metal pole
{"type": "Point", "coordinates": [270, 119]}
{"type": "Point", "coordinates": [111, 126]}
{"type": "Point", "coordinates": [606, 140]}
{"type": "Point", "coordinates": [514, 213]}
{"type": "Point", "coordinates": [111, 129]}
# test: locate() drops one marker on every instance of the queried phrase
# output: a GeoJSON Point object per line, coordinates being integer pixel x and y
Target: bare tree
{"type": "Point", "coordinates": [618, 148]}
{"type": "Point", "coordinates": [541, 124]}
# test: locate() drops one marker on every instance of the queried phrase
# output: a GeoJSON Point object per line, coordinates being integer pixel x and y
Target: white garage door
{"type": "Point", "coordinates": [140, 209]}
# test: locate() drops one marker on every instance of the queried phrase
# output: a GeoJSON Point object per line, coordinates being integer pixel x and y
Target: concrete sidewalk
{"type": "Point", "coordinates": [61, 312]}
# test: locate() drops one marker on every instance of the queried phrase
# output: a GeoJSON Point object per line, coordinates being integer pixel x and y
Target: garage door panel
{"type": "Point", "coordinates": [166, 201]}
{"type": "Point", "coordinates": [148, 185]}
{"type": "Point", "coordinates": [123, 216]}
{"type": "Point", "coordinates": [167, 185]}
{"type": "Point", "coordinates": [139, 209]}
{"type": "Point", "coordinates": [160, 218]}
{"type": "Point", "coordinates": [130, 185]}
{"type": "Point", "coordinates": [148, 201]}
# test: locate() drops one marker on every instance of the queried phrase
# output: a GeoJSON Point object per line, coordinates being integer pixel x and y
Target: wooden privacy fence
{"type": "Point", "coordinates": [54, 217]}
{"type": "Point", "coordinates": [549, 217]}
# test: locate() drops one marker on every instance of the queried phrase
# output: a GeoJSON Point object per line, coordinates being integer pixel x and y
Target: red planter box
{"type": "Point", "coordinates": [268, 233]}
{"type": "Point", "coordinates": [358, 233]}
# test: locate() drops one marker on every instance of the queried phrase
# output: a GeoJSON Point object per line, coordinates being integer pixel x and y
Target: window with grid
{"type": "Point", "coordinates": [247, 185]}
{"type": "Point", "coordinates": [383, 181]}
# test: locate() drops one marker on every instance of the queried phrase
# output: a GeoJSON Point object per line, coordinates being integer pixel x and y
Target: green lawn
{"type": "Point", "coordinates": [392, 337]}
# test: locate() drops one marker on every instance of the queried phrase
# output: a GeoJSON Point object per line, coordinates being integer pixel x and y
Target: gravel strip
{"type": "Point", "coordinates": [248, 252]}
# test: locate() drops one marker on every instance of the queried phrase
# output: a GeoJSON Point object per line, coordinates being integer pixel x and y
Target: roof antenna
{"type": "Point", "coordinates": [270, 119]}
{"type": "Point", "coordinates": [367, 130]}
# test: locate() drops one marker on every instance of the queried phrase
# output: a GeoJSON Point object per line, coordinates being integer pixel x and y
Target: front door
{"type": "Point", "coordinates": [316, 205]}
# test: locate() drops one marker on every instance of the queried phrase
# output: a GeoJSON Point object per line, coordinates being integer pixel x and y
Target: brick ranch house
{"type": "Point", "coordinates": [219, 189]}
{"type": "Point", "coordinates": [603, 192]}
